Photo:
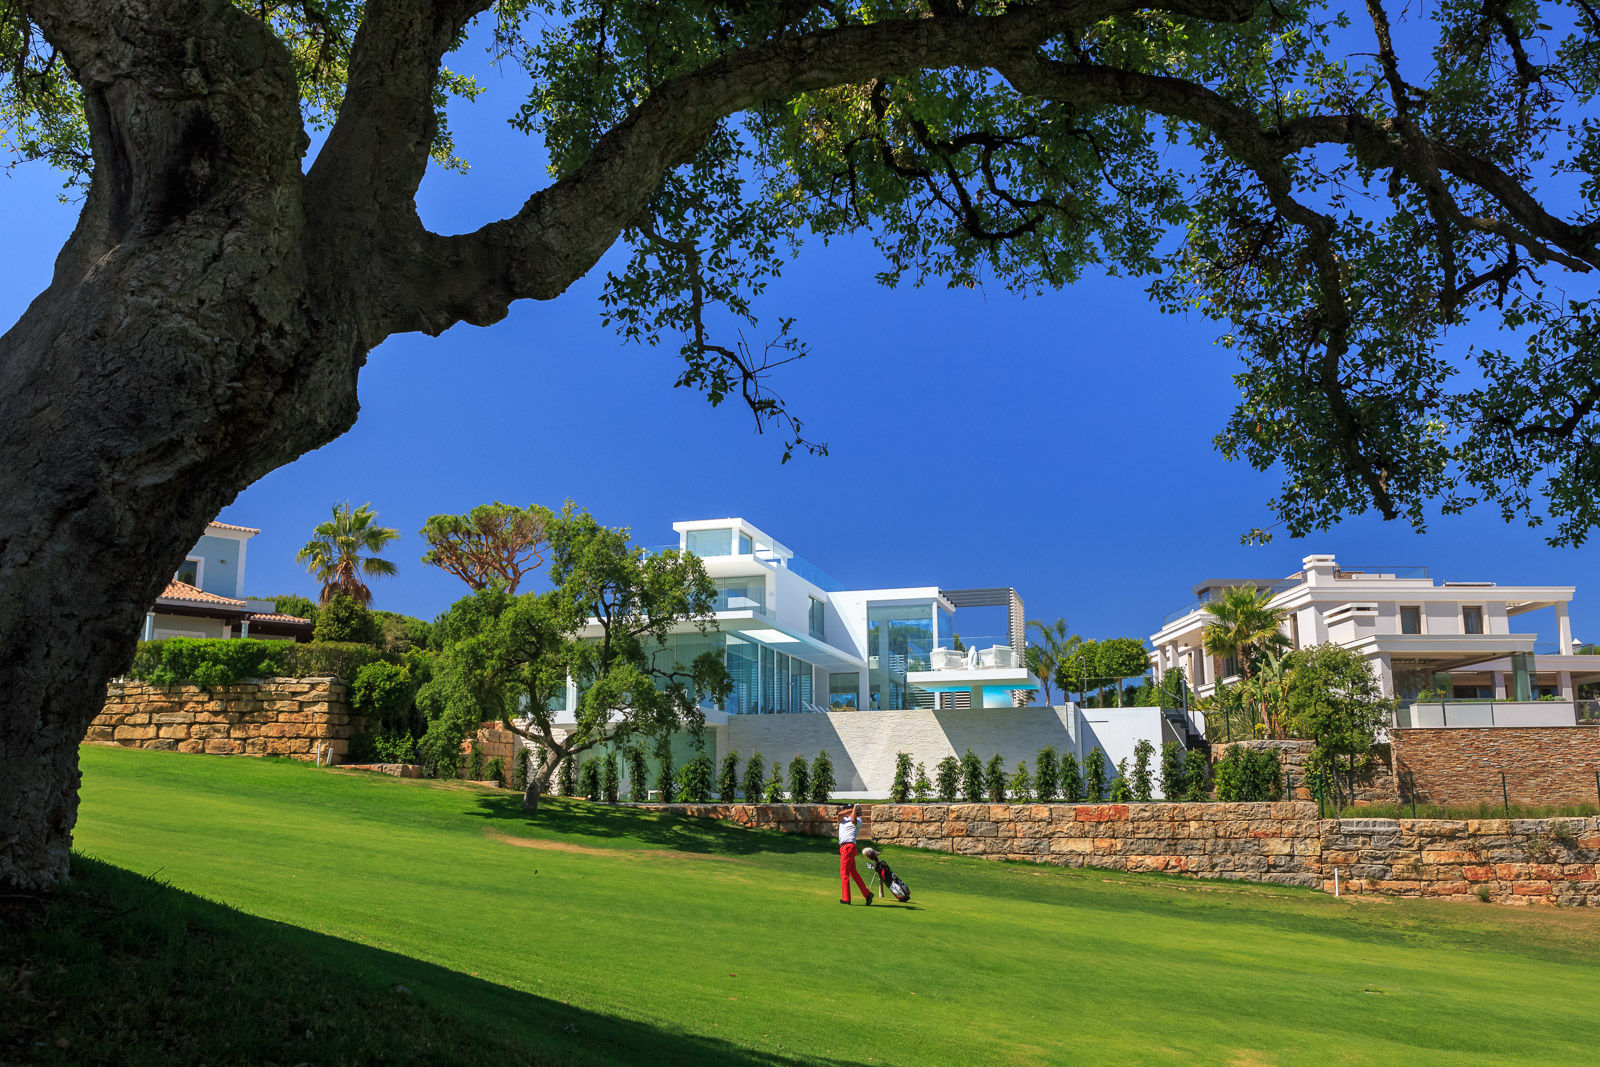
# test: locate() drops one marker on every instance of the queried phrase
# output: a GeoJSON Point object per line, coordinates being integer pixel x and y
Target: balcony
{"type": "Point", "coordinates": [1456, 714]}
{"type": "Point", "coordinates": [1381, 572]}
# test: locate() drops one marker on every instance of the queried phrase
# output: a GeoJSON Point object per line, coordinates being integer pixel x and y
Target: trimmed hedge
{"type": "Point", "coordinates": [209, 661]}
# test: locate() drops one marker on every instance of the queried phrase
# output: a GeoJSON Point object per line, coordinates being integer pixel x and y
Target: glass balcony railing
{"type": "Point", "coordinates": [804, 568]}
{"type": "Point", "coordinates": [1385, 571]}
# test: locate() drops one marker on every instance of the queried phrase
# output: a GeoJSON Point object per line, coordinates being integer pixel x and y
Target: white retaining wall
{"type": "Point", "coordinates": [863, 744]}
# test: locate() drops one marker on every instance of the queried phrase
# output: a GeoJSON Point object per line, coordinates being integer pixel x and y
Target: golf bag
{"type": "Point", "coordinates": [885, 877]}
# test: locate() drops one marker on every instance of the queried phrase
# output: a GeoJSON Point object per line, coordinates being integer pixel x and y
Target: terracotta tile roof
{"type": "Point", "coordinates": [177, 590]}
{"type": "Point", "coordinates": [273, 616]}
{"type": "Point", "coordinates": [230, 526]}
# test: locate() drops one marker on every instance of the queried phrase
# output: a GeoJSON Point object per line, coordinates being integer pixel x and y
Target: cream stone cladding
{"type": "Point", "coordinates": [1522, 861]}
{"type": "Point", "coordinates": [295, 717]}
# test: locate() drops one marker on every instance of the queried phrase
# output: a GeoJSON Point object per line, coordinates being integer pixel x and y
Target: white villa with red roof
{"type": "Point", "coordinates": [206, 596]}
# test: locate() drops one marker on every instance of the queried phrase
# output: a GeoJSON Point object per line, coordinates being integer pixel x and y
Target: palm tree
{"type": "Point", "coordinates": [1270, 688]}
{"type": "Point", "coordinates": [1051, 650]}
{"type": "Point", "coordinates": [1246, 624]}
{"type": "Point", "coordinates": [334, 555]}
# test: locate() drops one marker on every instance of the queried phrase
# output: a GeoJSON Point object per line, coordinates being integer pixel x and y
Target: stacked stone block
{"type": "Point", "coordinates": [271, 717]}
{"type": "Point", "coordinates": [1543, 765]}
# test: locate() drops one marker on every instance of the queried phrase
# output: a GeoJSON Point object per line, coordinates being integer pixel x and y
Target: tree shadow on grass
{"type": "Point", "coordinates": [653, 829]}
{"type": "Point", "coordinates": [120, 968]}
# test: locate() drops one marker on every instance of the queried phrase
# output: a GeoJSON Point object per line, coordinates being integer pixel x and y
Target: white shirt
{"type": "Point", "coordinates": [847, 830]}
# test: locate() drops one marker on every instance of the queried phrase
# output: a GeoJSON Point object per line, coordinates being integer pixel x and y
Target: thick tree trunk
{"type": "Point", "coordinates": [539, 781]}
{"type": "Point", "coordinates": [182, 350]}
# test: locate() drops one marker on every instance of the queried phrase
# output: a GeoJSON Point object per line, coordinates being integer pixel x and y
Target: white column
{"type": "Point", "coordinates": [1563, 630]}
{"type": "Point", "coordinates": [1564, 682]}
{"type": "Point", "coordinates": [1385, 675]}
{"type": "Point", "coordinates": [1500, 685]}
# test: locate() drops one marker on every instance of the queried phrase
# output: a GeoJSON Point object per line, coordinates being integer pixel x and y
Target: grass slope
{"type": "Point", "coordinates": [682, 940]}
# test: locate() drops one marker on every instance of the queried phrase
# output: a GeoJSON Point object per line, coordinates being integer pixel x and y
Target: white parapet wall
{"type": "Point", "coordinates": [863, 744]}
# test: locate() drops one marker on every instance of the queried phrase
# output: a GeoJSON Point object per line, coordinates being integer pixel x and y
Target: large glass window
{"type": "Point", "coordinates": [899, 639]}
{"type": "Point", "coordinates": [189, 572]}
{"type": "Point", "coordinates": [1411, 620]}
{"type": "Point", "coordinates": [709, 542]}
{"type": "Point", "coordinates": [741, 594]}
{"type": "Point", "coordinates": [1472, 619]}
{"type": "Point", "coordinates": [744, 668]}
{"type": "Point", "coordinates": [745, 546]}
{"type": "Point", "coordinates": [818, 616]}
{"type": "Point", "coordinates": [768, 671]}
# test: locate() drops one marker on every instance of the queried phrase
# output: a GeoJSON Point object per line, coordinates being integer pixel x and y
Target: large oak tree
{"type": "Point", "coordinates": [1342, 194]}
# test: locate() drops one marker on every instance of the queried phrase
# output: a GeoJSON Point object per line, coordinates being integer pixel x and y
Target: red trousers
{"type": "Point", "coordinates": [847, 871]}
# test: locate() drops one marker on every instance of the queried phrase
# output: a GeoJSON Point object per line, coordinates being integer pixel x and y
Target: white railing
{"type": "Point", "coordinates": [1450, 714]}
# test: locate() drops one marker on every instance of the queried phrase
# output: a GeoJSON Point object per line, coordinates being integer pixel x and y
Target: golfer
{"type": "Point", "coordinates": [849, 823]}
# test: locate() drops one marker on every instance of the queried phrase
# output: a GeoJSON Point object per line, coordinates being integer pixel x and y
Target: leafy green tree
{"type": "Point", "coordinates": [728, 779]}
{"type": "Point", "coordinates": [1079, 669]}
{"type": "Point", "coordinates": [569, 777]}
{"type": "Point", "coordinates": [1071, 779]}
{"type": "Point", "coordinates": [1173, 689]}
{"type": "Point", "coordinates": [1047, 776]}
{"type": "Point", "coordinates": [1335, 700]}
{"type": "Point", "coordinates": [1243, 774]}
{"type": "Point", "coordinates": [972, 783]}
{"type": "Point", "coordinates": [994, 778]}
{"type": "Point", "coordinates": [1121, 657]}
{"type": "Point", "coordinates": [900, 788]}
{"type": "Point", "coordinates": [666, 782]}
{"type": "Point", "coordinates": [755, 777]}
{"type": "Point", "coordinates": [491, 544]}
{"type": "Point", "coordinates": [947, 779]}
{"type": "Point", "coordinates": [399, 634]}
{"type": "Point", "coordinates": [1121, 790]}
{"type": "Point", "coordinates": [300, 607]}
{"type": "Point", "coordinates": [344, 619]}
{"type": "Point", "coordinates": [1047, 653]}
{"type": "Point", "coordinates": [1143, 785]}
{"type": "Point", "coordinates": [638, 773]}
{"type": "Point", "coordinates": [773, 793]}
{"type": "Point", "coordinates": [822, 783]}
{"type": "Point", "coordinates": [589, 779]}
{"type": "Point", "coordinates": [696, 779]}
{"type": "Point", "coordinates": [921, 788]}
{"type": "Point", "coordinates": [341, 556]}
{"type": "Point", "coordinates": [1196, 777]}
{"type": "Point", "coordinates": [505, 657]}
{"type": "Point", "coordinates": [1212, 147]}
{"type": "Point", "coordinates": [1172, 770]}
{"type": "Point", "coordinates": [384, 694]}
{"type": "Point", "coordinates": [1020, 787]}
{"type": "Point", "coordinates": [610, 784]}
{"type": "Point", "coordinates": [799, 780]}
{"type": "Point", "coordinates": [1094, 775]}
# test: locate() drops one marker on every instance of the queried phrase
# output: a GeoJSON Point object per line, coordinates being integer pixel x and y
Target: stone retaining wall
{"type": "Point", "coordinates": [267, 717]}
{"type": "Point", "coordinates": [1521, 861]}
{"type": "Point", "coordinates": [1378, 787]}
{"type": "Point", "coordinates": [1543, 765]}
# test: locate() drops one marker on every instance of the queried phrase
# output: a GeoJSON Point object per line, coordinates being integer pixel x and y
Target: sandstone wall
{"type": "Point", "coordinates": [1520, 861]}
{"type": "Point", "coordinates": [1550, 765]}
{"type": "Point", "coordinates": [269, 717]}
{"type": "Point", "coordinates": [1377, 787]}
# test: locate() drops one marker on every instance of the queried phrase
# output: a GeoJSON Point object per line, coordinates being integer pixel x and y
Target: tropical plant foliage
{"type": "Point", "coordinates": [340, 552]}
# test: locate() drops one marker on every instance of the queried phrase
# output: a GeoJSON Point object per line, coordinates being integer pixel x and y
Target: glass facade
{"type": "Point", "coordinates": [709, 542]}
{"type": "Point", "coordinates": [900, 638]}
{"type": "Point", "coordinates": [741, 594]}
{"type": "Point", "coordinates": [844, 691]}
{"type": "Point", "coordinates": [818, 618]}
{"type": "Point", "coordinates": [766, 681]}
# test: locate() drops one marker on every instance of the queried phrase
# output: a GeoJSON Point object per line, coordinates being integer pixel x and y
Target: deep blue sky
{"type": "Point", "coordinates": [1058, 444]}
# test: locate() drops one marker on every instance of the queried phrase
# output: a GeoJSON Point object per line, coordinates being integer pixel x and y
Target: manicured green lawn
{"type": "Point", "coordinates": [680, 940]}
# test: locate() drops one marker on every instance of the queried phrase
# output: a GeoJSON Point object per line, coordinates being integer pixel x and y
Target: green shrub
{"type": "Point", "coordinates": [1196, 777]}
{"type": "Point", "coordinates": [363, 749]}
{"type": "Point", "coordinates": [666, 786]}
{"type": "Point", "coordinates": [497, 771]}
{"type": "Point", "coordinates": [822, 783]}
{"type": "Point", "coordinates": [799, 780]}
{"type": "Point", "coordinates": [519, 772]}
{"type": "Point", "coordinates": [589, 779]}
{"type": "Point", "coordinates": [329, 659]}
{"type": "Point", "coordinates": [294, 604]}
{"type": "Point", "coordinates": [1143, 783]}
{"type": "Point", "coordinates": [394, 748]}
{"type": "Point", "coordinates": [755, 778]}
{"type": "Point", "coordinates": [994, 779]}
{"type": "Point", "coordinates": [921, 788]}
{"type": "Point", "coordinates": [1121, 789]}
{"type": "Point", "coordinates": [1094, 775]}
{"type": "Point", "coordinates": [610, 783]}
{"type": "Point", "coordinates": [696, 780]}
{"type": "Point", "coordinates": [475, 764]}
{"type": "Point", "coordinates": [1046, 776]}
{"type": "Point", "coordinates": [208, 661]}
{"type": "Point", "coordinates": [342, 619]}
{"type": "Point", "coordinates": [972, 790]}
{"type": "Point", "coordinates": [900, 789]}
{"type": "Point", "coordinates": [1172, 770]}
{"type": "Point", "coordinates": [773, 793]}
{"type": "Point", "coordinates": [1021, 785]}
{"type": "Point", "coordinates": [638, 775]}
{"type": "Point", "coordinates": [1071, 779]}
{"type": "Point", "coordinates": [1246, 775]}
{"type": "Point", "coordinates": [384, 693]}
{"type": "Point", "coordinates": [728, 780]}
{"type": "Point", "coordinates": [947, 778]}
{"type": "Point", "coordinates": [567, 775]}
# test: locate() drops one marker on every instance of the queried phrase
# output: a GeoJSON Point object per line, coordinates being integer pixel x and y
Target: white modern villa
{"type": "Point", "coordinates": [1461, 640]}
{"type": "Point", "coordinates": [794, 640]}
